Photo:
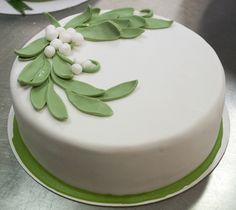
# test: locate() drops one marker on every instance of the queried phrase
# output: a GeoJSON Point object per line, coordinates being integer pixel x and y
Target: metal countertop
{"type": "Point", "coordinates": [214, 20]}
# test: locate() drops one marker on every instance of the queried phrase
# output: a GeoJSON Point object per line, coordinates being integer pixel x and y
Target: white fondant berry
{"type": "Point", "coordinates": [87, 64]}
{"type": "Point", "coordinates": [50, 27]}
{"type": "Point", "coordinates": [56, 43]}
{"type": "Point", "coordinates": [76, 68]}
{"type": "Point", "coordinates": [71, 31]}
{"type": "Point", "coordinates": [79, 60]}
{"type": "Point", "coordinates": [51, 34]}
{"type": "Point", "coordinates": [49, 51]}
{"type": "Point", "coordinates": [65, 37]}
{"type": "Point", "coordinates": [60, 30]}
{"type": "Point", "coordinates": [77, 39]}
{"type": "Point", "coordinates": [65, 49]}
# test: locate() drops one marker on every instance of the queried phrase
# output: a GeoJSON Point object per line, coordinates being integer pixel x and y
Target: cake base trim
{"type": "Point", "coordinates": [42, 176]}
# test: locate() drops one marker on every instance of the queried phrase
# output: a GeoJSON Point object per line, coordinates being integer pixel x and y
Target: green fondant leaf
{"type": "Point", "coordinates": [146, 13]}
{"type": "Point", "coordinates": [95, 11]}
{"type": "Point", "coordinates": [38, 96]}
{"type": "Point", "coordinates": [26, 59]}
{"type": "Point", "coordinates": [135, 21]}
{"type": "Point", "coordinates": [119, 91]}
{"type": "Point", "coordinates": [28, 73]}
{"type": "Point", "coordinates": [55, 105]}
{"type": "Point", "coordinates": [121, 23]}
{"type": "Point", "coordinates": [52, 19]}
{"type": "Point", "coordinates": [92, 69]}
{"type": "Point", "coordinates": [154, 23]}
{"type": "Point", "coordinates": [61, 68]}
{"type": "Point", "coordinates": [33, 49]}
{"type": "Point", "coordinates": [80, 19]}
{"type": "Point", "coordinates": [42, 74]}
{"type": "Point", "coordinates": [101, 32]}
{"type": "Point", "coordinates": [101, 19]}
{"type": "Point", "coordinates": [78, 87]}
{"type": "Point", "coordinates": [64, 58]}
{"type": "Point", "coordinates": [120, 12]}
{"type": "Point", "coordinates": [89, 105]}
{"type": "Point", "coordinates": [130, 33]}
{"type": "Point", "coordinates": [19, 5]}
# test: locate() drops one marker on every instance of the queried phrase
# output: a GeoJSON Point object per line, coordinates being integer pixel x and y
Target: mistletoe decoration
{"type": "Point", "coordinates": [51, 65]}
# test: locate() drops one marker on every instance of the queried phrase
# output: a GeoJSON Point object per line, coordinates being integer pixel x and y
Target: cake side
{"type": "Point", "coordinates": [174, 114]}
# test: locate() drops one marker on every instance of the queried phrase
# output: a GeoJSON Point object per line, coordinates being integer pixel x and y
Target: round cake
{"type": "Point", "coordinates": [157, 135]}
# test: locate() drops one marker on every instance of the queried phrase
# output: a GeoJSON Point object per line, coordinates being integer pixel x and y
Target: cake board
{"type": "Point", "coordinates": [40, 7]}
{"type": "Point", "coordinates": [39, 174]}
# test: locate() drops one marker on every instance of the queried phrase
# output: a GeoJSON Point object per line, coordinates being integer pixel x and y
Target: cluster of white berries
{"type": "Point", "coordinates": [79, 65]}
{"type": "Point", "coordinates": [61, 39]}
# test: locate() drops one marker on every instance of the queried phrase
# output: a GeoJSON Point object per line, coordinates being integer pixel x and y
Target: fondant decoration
{"type": "Point", "coordinates": [61, 68]}
{"type": "Point", "coordinates": [19, 5]}
{"type": "Point", "coordinates": [55, 105]}
{"type": "Point", "coordinates": [49, 51]}
{"type": "Point", "coordinates": [89, 105]}
{"type": "Point", "coordinates": [76, 68]}
{"type": "Point", "coordinates": [33, 49]}
{"type": "Point", "coordinates": [58, 44]}
{"type": "Point", "coordinates": [119, 91]}
{"type": "Point", "coordinates": [146, 13]}
{"type": "Point", "coordinates": [153, 23]}
{"type": "Point", "coordinates": [38, 96]}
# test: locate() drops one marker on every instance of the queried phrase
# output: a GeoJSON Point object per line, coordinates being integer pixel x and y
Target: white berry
{"type": "Point", "coordinates": [60, 30]}
{"type": "Point", "coordinates": [77, 39]}
{"type": "Point", "coordinates": [51, 34]}
{"type": "Point", "coordinates": [65, 37]}
{"type": "Point", "coordinates": [76, 68]}
{"type": "Point", "coordinates": [65, 49]}
{"type": "Point", "coordinates": [50, 27]}
{"type": "Point", "coordinates": [71, 31]}
{"type": "Point", "coordinates": [87, 64]}
{"type": "Point", "coordinates": [49, 51]}
{"type": "Point", "coordinates": [56, 43]}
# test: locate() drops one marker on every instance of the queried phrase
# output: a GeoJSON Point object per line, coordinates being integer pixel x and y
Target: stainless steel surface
{"type": "Point", "coordinates": [214, 20]}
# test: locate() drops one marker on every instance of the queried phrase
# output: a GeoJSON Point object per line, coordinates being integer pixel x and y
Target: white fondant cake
{"type": "Point", "coordinates": [160, 133]}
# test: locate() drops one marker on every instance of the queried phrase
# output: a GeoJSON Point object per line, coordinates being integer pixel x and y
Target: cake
{"type": "Point", "coordinates": [162, 131]}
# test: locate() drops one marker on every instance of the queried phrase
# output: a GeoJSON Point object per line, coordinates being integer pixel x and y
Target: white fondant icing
{"type": "Point", "coordinates": [87, 64]}
{"type": "Point", "coordinates": [157, 135]}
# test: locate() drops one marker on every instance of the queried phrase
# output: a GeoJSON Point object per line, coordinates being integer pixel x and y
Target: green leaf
{"type": "Point", "coordinates": [92, 69]}
{"type": "Point", "coordinates": [64, 58]}
{"type": "Point", "coordinates": [101, 32]}
{"type": "Point", "coordinates": [146, 13]}
{"type": "Point", "coordinates": [89, 105]}
{"type": "Point", "coordinates": [19, 5]}
{"type": "Point", "coordinates": [29, 71]}
{"type": "Point", "coordinates": [55, 105]}
{"type": "Point", "coordinates": [119, 91]}
{"type": "Point", "coordinates": [80, 19]}
{"type": "Point", "coordinates": [154, 23]}
{"type": "Point", "coordinates": [52, 19]}
{"type": "Point", "coordinates": [121, 23]}
{"type": "Point", "coordinates": [33, 49]}
{"type": "Point", "coordinates": [101, 19]}
{"type": "Point", "coordinates": [26, 59]}
{"type": "Point", "coordinates": [78, 87]}
{"type": "Point", "coordinates": [135, 21]}
{"type": "Point", "coordinates": [130, 33]}
{"type": "Point", "coordinates": [38, 96]}
{"type": "Point", "coordinates": [61, 68]}
{"type": "Point", "coordinates": [120, 12]}
{"type": "Point", "coordinates": [42, 74]}
{"type": "Point", "coordinates": [95, 11]}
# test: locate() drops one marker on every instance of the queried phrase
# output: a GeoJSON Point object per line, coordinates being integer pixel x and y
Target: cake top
{"type": "Point", "coordinates": [180, 79]}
